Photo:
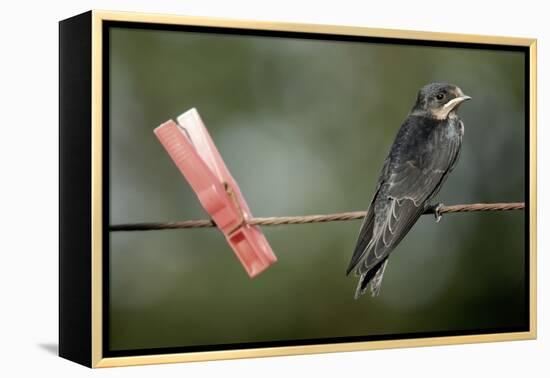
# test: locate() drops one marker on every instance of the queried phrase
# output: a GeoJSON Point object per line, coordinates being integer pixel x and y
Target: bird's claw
{"type": "Point", "coordinates": [437, 212]}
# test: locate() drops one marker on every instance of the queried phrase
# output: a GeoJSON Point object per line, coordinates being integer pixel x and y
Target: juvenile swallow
{"type": "Point", "coordinates": [424, 152]}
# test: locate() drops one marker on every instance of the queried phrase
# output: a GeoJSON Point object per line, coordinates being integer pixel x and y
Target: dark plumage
{"type": "Point", "coordinates": [424, 152]}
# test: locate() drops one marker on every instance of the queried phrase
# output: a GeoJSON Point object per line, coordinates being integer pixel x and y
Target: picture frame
{"type": "Point", "coordinates": [84, 109]}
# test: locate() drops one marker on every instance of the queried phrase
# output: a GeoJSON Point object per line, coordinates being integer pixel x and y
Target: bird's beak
{"type": "Point", "coordinates": [456, 101]}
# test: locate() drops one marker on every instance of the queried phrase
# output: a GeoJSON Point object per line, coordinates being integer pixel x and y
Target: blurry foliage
{"type": "Point", "coordinates": [304, 126]}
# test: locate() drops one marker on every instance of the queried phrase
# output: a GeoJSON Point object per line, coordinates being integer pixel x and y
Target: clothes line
{"type": "Point", "coordinates": [304, 219]}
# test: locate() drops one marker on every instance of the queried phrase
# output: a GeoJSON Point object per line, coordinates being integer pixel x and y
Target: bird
{"type": "Point", "coordinates": [424, 152]}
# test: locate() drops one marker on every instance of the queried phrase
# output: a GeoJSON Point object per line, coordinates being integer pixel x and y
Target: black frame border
{"type": "Point", "coordinates": [75, 194]}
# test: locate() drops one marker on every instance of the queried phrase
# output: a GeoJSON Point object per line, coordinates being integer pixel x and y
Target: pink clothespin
{"type": "Point", "coordinates": [194, 153]}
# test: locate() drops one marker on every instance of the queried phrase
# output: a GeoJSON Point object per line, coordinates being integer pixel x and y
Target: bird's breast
{"type": "Point", "coordinates": [451, 130]}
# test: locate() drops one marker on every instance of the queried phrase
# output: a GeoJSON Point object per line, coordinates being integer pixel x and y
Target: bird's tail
{"type": "Point", "coordinates": [376, 282]}
{"type": "Point", "coordinates": [374, 277]}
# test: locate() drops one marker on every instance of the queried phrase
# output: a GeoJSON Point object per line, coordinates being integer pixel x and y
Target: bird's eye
{"type": "Point", "coordinates": [440, 96]}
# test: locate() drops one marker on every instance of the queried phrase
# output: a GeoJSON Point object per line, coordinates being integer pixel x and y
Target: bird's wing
{"type": "Point", "coordinates": [409, 183]}
{"type": "Point", "coordinates": [365, 233]}
{"type": "Point", "coordinates": [418, 178]}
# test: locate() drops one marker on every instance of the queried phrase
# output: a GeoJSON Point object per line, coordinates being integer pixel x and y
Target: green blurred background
{"type": "Point", "coordinates": [304, 126]}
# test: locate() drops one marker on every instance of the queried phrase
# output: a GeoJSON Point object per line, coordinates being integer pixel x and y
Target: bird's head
{"type": "Point", "coordinates": [438, 100]}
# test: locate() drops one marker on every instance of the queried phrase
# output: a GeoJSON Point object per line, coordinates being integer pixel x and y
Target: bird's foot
{"type": "Point", "coordinates": [437, 211]}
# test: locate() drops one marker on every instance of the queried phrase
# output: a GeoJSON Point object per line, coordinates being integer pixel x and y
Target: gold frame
{"type": "Point", "coordinates": [97, 356]}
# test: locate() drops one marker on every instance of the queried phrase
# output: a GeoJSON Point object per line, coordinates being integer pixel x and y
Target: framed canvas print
{"type": "Point", "coordinates": [235, 189]}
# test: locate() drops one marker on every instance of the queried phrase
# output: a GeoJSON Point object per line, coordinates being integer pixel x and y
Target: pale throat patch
{"type": "Point", "coordinates": [447, 109]}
